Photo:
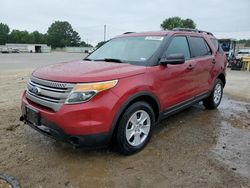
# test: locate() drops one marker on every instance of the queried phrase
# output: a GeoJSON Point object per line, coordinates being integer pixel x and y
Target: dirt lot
{"type": "Point", "coordinates": [195, 148]}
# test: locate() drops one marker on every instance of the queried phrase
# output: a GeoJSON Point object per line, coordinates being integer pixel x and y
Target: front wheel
{"type": "Point", "coordinates": [135, 128]}
{"type": "Point", "coordinates": [214, 99]}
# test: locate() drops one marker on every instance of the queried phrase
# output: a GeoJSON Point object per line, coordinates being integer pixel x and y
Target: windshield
{"type": "Point", "coordinates": [128, 49]}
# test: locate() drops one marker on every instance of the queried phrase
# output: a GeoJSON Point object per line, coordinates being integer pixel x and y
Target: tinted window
{"type": "Point", "coordinates": [179, 45]}
{"type": "Point", "coordinates": [199, 47]}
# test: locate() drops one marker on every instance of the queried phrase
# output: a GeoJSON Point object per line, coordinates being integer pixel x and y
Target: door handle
{"type": "Point", "coordinates": [190, 67]}
{"type": "Point", "coordinates": [213, 61]}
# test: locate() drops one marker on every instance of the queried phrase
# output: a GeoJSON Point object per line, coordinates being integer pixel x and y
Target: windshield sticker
{"type": "Point", "coordinates": [154, 38]}
{"type": "Point", "coordinates": [143, 59]}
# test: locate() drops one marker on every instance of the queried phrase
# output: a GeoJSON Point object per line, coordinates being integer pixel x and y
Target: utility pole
{"type": "Point", "coordinates": [105, 32]}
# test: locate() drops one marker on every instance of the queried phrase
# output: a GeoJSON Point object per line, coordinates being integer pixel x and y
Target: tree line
{"type": "Point", "coordinates": [245, 41]}
{"type": "Point", "coordinates": [60, 34]}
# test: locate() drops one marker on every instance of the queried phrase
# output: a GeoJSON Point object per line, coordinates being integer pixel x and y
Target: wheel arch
{"type": "Point", "coordinates": [148, 97]}
{"type": "Point", "coordinates": [222, 77]}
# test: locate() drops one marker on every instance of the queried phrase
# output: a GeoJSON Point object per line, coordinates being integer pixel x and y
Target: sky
{"type": "Point", "coordinates": [224, 18]}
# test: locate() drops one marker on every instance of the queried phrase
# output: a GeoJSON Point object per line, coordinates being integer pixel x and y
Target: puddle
{"type": "Point", "coordinates": [232, 150]}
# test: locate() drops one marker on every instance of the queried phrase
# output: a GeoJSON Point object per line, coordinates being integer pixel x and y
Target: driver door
{"type": "Point", "coordinates": [177, 81]}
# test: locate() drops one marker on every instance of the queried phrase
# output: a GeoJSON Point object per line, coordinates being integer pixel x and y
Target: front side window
{"type": "Point", "coordinates": [199, 47]}
{"type": "Point", "coordinates": [128, 49]}
{"type": "Point", "coordinates": [179, 45]}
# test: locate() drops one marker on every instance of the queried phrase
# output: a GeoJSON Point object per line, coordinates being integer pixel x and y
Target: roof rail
{"type": "Point", "coordinates": [128, 33]}
{"type": "Point", "coordinates": [192, 30]}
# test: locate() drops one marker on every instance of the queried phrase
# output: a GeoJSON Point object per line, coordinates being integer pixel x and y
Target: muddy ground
{"type": "Point", "coordinates": [195, 148]}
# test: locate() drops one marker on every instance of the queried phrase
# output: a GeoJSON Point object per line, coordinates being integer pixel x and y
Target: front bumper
{"type": "Point", "coordinates": [86, 124]}
{"type": "Point", "coordinates": [55, 132]}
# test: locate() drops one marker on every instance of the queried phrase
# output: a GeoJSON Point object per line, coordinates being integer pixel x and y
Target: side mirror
{"type": "Point", "coordinates": [173, 59]}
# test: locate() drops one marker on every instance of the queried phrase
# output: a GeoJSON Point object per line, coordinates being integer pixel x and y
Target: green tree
{"type": "Point", "coordinates": [188, 23]}
{"type": "Point", "coordinates": [174, 22]}
{"type": "Point", "coordinates": [17, 36]}
{"type": "Point", "coordinates": [245, 41]}
{"type": "Point", "coordinates": [37, 38]}
{"type": "Point", "coordinates": [76, 39]}
{"type": "Point", "coordinates": [84, 44]}
{"type": "Point", "coordinates": [4, 32]}
{"type": "Point", "coordinates": [61, 34]}
{"type": "Point", "coordinates": [100, 44]}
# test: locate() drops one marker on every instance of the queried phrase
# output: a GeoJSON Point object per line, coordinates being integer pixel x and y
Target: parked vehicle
{"type": "Point", "coordinates": [236, 64]}
{"type": "Point", "coordinates": [14, 50]}
{"type": "Point", "coordinates": [242, 53]}
{"type": "Point", "coordinates": [5, 50]}
{"type": "Point", "coordinates": [229, 47]}
{"type": "Point", "coordinates": [118, 93]}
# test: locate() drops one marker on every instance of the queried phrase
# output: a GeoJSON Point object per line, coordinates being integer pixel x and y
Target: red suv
{"type": "Point", "coordinates": [121, 90]}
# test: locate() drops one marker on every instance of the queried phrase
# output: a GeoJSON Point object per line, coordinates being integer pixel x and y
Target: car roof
{"type": "Point", "coordinates": [167, 32]}
{"type": "Point", "coordinates": [147, 33]}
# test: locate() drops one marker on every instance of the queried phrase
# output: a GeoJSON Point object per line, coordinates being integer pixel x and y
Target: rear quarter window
{"type": "Point", "coordinates": [199, 47]}
{"type": "Point", "coordinates": [217, 45]}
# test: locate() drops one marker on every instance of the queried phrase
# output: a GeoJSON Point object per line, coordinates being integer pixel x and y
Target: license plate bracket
{"type": "Point", "coordinates": [33, 116]}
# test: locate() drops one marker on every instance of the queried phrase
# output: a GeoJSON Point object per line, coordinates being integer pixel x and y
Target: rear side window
{"type": "Point", "coordinates": [179, 45]}
{"type": "Point", "coordinates": [215, 43]}
{"type": "Point", "coordinates": [199, 47]}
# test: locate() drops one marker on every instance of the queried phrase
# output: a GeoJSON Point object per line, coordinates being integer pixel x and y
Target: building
{"type": "Point", "coordinates": [75, 49]}
{"type": "Point", "coordinates": [31, 48]}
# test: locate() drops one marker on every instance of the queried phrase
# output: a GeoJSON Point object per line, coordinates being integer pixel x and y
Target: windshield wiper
{"type": "Point", "coordinates": [110, 60]}
{"type": "Point", "coordinates": [87, 59]}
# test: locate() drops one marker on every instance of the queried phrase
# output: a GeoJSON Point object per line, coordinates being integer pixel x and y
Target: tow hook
{"type": "Point", "coordinates": [21, 118]}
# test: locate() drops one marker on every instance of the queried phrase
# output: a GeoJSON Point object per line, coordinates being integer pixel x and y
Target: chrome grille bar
{"type": "Point", "coordinates": [51, 83]}
{"type": "Point", "coordinates": [48, 93]}
{"type": "Point", "coordinates": [45, 87]}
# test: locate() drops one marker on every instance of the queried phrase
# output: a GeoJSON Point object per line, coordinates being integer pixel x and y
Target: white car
{"type": "Point", "coordinates": [243, 53]}
{"type": "Point", "coordinates": [5, 50]}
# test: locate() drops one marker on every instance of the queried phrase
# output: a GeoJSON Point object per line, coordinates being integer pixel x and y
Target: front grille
{"type": "Point", "coordinates": [48, 93]}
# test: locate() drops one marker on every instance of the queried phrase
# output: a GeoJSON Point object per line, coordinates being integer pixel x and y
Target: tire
{"type": "Point", "coordinates": [10, 180]}
{"type": "Point", "coordinates": [214, 99]}
{"type": "Point", "coordinates": [133, 132]}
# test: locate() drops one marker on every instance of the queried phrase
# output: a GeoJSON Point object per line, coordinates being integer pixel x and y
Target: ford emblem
{"type": "Point", "coordinates": [35, 90]}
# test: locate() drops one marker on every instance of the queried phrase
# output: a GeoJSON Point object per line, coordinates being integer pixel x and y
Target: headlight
{"type": "Point", "coordinates": [84, 92]}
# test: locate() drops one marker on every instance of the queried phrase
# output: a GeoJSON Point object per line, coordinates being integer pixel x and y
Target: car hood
{"type": "Point", "coordinates": [87, 71]}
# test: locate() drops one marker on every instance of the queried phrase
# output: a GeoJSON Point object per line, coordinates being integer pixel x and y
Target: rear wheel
{"type": "Point", "coordinates": [214, 99]}
{"type": "Point", "coordinates": [135, 128]}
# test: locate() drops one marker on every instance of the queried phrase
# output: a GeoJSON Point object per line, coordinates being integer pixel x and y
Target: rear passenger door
{"type": "Point", "coordinates": [205, 61]}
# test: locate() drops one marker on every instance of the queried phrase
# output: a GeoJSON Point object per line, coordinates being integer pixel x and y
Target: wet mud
{"type": "Point", "coordinates": [194, 148]}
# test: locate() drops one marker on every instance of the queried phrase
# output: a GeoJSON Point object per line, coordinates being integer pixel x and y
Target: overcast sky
{"type": "Point", "coordinates": [225, 18]}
